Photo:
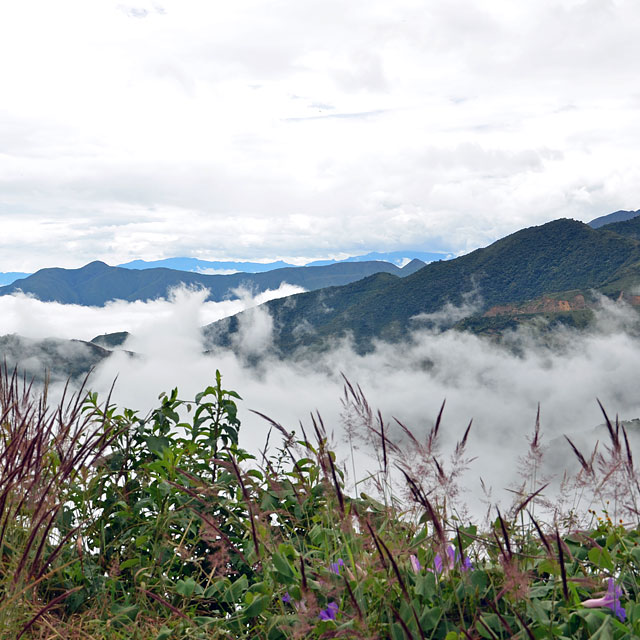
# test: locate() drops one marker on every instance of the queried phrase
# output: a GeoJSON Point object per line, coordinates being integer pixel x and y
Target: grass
{"type": "Point", "coordinates": [116, 526]}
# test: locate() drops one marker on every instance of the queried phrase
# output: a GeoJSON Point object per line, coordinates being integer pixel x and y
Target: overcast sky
{"type": "Point", "coordinates": [308, 128]}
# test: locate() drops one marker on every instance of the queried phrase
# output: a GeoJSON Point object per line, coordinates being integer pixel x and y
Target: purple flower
{"type": "Point", "coordinates": [335, 566]}
{"type": "Point", "coordinates": [415, 563]}
{"type": "Point", "coordinates": [611, 599]}
{"type": "Point", "coordinates": [330, 612]}
{"type": "Point", "coordinates": [447, 563]}
{"type": "Point", "coordinates": [286, 598]}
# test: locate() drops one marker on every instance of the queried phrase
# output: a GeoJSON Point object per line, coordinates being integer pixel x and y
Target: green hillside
{"type": "Point", "coordinates": [559, 256]}
{"type": "Point", "coordinates": [629, 228]}
{"type": "Point", "coordinates": [59, 359]}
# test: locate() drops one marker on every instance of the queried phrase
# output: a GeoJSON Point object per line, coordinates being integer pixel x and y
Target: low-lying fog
{"type": "Point", "coordinates": [498, 386]}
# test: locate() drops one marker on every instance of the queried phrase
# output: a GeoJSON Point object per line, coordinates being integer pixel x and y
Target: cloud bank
{"type": "Point", "coordinates": [32, 318]}
{"type": "Point", "coordinates": [261, 131]}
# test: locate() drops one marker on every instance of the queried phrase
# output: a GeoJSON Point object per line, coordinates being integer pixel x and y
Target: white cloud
{"type": "Point", "coordinates": [32, 318]}
{"type": "Point", "coordinates": [138, 129]}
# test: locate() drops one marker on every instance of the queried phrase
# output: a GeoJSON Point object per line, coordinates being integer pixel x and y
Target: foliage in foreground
{"type": "Point", "coordinates": [118, 526]}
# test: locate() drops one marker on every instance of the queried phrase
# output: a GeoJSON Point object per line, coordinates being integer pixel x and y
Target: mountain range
{"type": "Point", "coordinates": [563, 257]}
{"type": "Point", "coordinates": [226, 267]}
{"type": "Point", "coordinates": [555, 271]}
{"type": "Point", "coordinates": [96, 284]}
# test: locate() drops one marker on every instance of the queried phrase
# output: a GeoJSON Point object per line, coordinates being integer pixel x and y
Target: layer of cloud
{"type": "Point", "coordinates": [160, 129]}
{"type": "Point", "coordinates": [32, 318]}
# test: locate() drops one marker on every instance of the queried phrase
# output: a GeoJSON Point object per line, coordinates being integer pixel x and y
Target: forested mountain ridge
{"type": "Point", "coordinates": [558, 256]}
{"type": "Point", "coordinates": [629, 228]}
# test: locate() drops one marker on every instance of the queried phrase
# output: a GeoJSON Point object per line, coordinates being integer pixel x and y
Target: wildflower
{"type": "Point", "coordinates": [611, 599]}
{"type": "Point", "coordinates": [335, 566]}
{"type": "Point", "coordinates": [446, 564]}
{"type": "Point", "coordinates": [330, 612]}
{"type": "Point", "coordinates": [286, 598]}
{"type": "Point", "coordinates": [415, 563]}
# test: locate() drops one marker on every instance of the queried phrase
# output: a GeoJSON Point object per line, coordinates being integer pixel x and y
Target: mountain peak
{"type": "Point", "coordinates": [616, 216]}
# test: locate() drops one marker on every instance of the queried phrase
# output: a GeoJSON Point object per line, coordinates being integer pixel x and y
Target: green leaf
{"type": "Point", "coordinates": [491, 621]}
{"type": "Point", "coordinates": [125, 611]}
{"type": "Point", "coordinates": [538, 613]}
{"type": "Point", "coordinates": [141, 541]}
{"type": "Point", "coordinates": [157, 444]}
{"type": "Point", "coordinates": [601, 558]}
{"type": "Point", "coordinates": [426, 585]}
{"type": "Point", "coordinates": [282, 566]}
{"type": "Point", "coordinates": [164, 633]}
{"type": "Point", "coordinates": [212, 590]}
{"type": "Point", "coordinates": [257, 606]}
{"type": "Point", "coordinates": [235, 591]}
{"type": "Point", "coordinates": [468, 535]}
{"type": "Point", "coordinates": [480, 580]}
{"type": "Point", "coordinates": [430, 618]}
{"type": "Point", "coordinates": [396, 632]}
{"type": "Point", "coordinates": [548, 566]}
{"type": "Point", "coordinates": [186, 587]}
{"type": "Point", "coordinates": [203, 621]}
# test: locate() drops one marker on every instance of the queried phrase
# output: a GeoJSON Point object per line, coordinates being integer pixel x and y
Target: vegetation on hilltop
{"type": "Point", "coordinates": [116, 526]}
{"type": "Point", "coordinates": [629, 228]}
{"type": "Point", "coordinates": [558, 256]}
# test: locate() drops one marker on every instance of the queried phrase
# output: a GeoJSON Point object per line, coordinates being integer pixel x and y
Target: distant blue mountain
{"type": "Point", "coordinates": [206, 266]}
{"type": "Point", "coordinates": [11, 276]}
{"type": "Point", "coordinates": [616, 216]}
{"type": "Point", "coordinates": [398, 258]}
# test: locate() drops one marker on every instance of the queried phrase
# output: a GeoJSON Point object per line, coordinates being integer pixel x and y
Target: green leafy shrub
{"type": "Point", "coordinates": [117, 526]}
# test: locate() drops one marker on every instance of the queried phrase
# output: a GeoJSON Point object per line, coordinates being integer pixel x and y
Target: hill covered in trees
{"type": "Point", "coordinates": [560, 256]}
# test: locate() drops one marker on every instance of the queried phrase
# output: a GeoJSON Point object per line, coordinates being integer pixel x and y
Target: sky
{"type": "Point", "coordinates": [300, 130]}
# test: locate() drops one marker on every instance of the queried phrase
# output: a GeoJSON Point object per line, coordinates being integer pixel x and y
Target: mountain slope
{"type": "Point", "coordinates": [616, 216]}
{"type": "Point", "coordinates": [558, 256]}
{"type": "Point", "coordinates": [629, 228]}
{"type": "Point", "coordinates": [59, 359]}
{"type": "Point", "coordinates": [97, 283]}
